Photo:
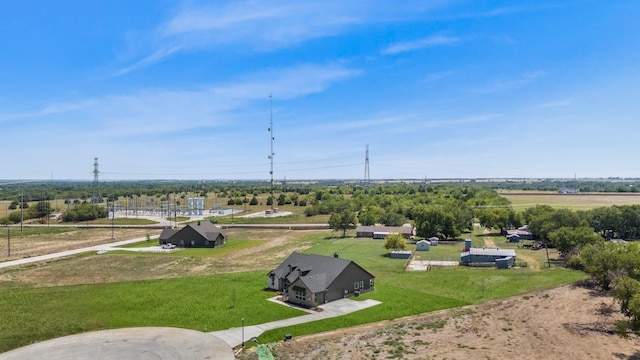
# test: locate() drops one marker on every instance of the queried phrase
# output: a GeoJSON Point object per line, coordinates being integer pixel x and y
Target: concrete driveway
{"type": "Point", "coordinates": [233, 336]}
{"type": "Point", "coordinates": [131, 343]}
{"type": "Point", "coordinates": [163, 343]}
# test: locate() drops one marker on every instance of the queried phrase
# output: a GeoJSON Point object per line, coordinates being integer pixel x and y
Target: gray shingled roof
{"type": "Point", "coordinates": [317, 272]}
{"type": "Point", "coordinates": [167, 233]}
{"type": "Point", "coordinates": [206, 229]}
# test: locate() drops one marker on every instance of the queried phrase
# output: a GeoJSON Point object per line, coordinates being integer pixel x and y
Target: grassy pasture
{"type": "Point", "coordinates": [231, 246]}
{"type": "Point", "coordinates": [201, 303]}
{"type": "Point", "coordinates": [204, 303]}
{"type": "Point", "coordinates": [582, 201]}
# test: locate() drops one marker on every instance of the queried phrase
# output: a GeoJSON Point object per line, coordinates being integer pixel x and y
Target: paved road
{"type": "Point", "coordinates": [130, 343]}
{"type": "Point", "coordinates": [233, 337]}
{"type": "Point", "coordinates": [70, 252]}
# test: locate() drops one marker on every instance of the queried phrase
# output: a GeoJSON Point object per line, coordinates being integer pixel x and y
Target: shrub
{"type": "Point", "coordinates": [84, 212]}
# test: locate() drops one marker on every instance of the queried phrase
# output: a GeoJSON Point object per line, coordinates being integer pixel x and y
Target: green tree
{"type": "Point", "coordinates": [369, 215]}
{"type": "Point", "coordinates": [486, 218]}
{"type": "Point", "coordinates": [628, 296]}
{"type": "Point", "coordinates": [395, 242]}
{"type": "Point", "coordinates": [344, 221]}
{"type": "Point", "coordinates": [567, 239]}
{"type": "Point", "coordinates": [605, 220]}
{"type": "Point", "coordinates": [434, 221]}
{"type": "Point", "coordinates": [600, 261]}
{"type": "Point", "coordinates": [392, 219]}
{"type": "Point", "coordinates": [84, 212]}
{"type": "Point", "coordinates": [254, 201]}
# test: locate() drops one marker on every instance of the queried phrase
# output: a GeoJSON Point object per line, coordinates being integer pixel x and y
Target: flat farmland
{"type": "Point", "coordinates": [582, 201]}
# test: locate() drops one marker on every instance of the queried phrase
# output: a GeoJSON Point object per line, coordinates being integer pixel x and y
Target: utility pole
{"type": "Point", "coordinates": [113, 214]}
{"type": "Point", "coordinates": [242, 333]}
{"type": "Point", "coordinates": [21, 208]}
{"type": "Point", "coordinates": [8, 241]}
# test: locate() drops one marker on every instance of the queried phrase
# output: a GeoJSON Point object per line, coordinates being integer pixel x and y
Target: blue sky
{"type": "Point", "coordinates": [437, 89]}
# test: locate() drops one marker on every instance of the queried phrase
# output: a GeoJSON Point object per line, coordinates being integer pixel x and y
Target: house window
{"type": "Point", "coordinates": [206, 242]}
{"type": "Point", "coordinates": [356, 285]}
{"type": "Point", "coordinates": [299, 294]}
{"type": "Point", "coordinates": [371, 283]}
{"type": "Point", "coordinates": [361, 285]}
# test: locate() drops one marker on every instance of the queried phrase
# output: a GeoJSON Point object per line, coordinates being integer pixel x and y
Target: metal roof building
{"type": "Point", "coordinates": [485, 256]}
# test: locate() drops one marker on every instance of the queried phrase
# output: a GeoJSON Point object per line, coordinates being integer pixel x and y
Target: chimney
{"type": "Point", "coordinates": [335, 254]}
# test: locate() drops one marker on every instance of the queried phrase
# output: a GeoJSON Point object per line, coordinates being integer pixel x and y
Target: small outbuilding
{"type": "Point", "coordinates": [423, 245]}
{"type": "Point", "coordinates": [401, 254]}
{"type": "Point", "coordinates": [506, 263]}
{"type": "Point", "coordinates": [434, 240]}
{"type": "Point", "coordinates": [486, 257]}
{"type": "Point", "coordinates": [513, 238]}
{"type": "Point", "coordinates": [380, 232]}
{"type": "Point", "coordinates": [523, 232]}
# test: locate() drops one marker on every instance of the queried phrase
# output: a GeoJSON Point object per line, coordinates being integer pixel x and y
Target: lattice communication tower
{"type": "Point", "coordinates": [95, 198]}
{"type": "Point", "coordinates": [367, 176]}
{"type": "Point", "coordinates": [271, 154]}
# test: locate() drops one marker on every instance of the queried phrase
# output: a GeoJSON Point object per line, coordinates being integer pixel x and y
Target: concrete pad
{"type": "Point", "coordinates": [233, 337]}
{"type": "Point", "coordinates": [130, 343]}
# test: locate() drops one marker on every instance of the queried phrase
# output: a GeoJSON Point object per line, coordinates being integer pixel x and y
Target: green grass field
{"type": "Point", "coordinates": [229, 247]}
{"type": "Point", "coordinates": [206, 303]}
{"type": "Point", "coordinates": [201, 303]}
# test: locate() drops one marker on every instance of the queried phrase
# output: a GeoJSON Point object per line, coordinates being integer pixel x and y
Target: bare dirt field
{"type": "Point", "coordinates": [93, 268]}
{"type": "Point", "coordinates": [41, 244]}
{"type": "Point", "coordinates": [581, 201]}
{"type": "Point", "coordinates": [567, 322]}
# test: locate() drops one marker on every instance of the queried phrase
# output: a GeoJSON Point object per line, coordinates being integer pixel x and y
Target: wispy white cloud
{"type": "Point", "coordinates": [51, 109]}
{"type": "Point", "coordinates": [554, 103]}
{"type": "Point", "coordinates": [437, 76]}
{"type": "Point", "coordinates": [263, 25]}
{"type": "Point", "coordinates": [505, 85]}
{"type": "Point", "coordinates": [461, 121]}
{"type": "Point", "coordinates": [431, 41]}
{"type": "Point", "coordinates": [257, 25]}
{"type": "Point", "coordinates": [164, 111]}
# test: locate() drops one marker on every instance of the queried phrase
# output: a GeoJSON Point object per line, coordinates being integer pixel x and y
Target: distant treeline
{"type": "Point", "coordinates": [583, 186]}
{"type": "Point", "coordinates": [49, 190]}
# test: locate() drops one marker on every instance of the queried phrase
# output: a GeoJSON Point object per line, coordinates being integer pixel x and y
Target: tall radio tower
{"type": "Point", "coordinates": [367, 176]}
{"type": "Point", "coordinates": [95, 198]}
{"type": "Point", "coordinates": [271, 154]}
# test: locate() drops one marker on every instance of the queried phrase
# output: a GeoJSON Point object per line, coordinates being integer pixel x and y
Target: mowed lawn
{"type": "Point", "coordinates": [209, 303]}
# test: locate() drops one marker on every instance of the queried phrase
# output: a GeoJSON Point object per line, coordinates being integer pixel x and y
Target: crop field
{"type": "Point", "coordinates": [207, 293]}
{"type": "Point", "coordinates": [583, 201]}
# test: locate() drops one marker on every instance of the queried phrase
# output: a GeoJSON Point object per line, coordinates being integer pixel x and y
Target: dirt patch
{"type": "Point", "coordinates": [41, 244]}
{"type": "Point", "coordinates": [567, 322]}
{"type": "Point", "coordinates": [91, 268]}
